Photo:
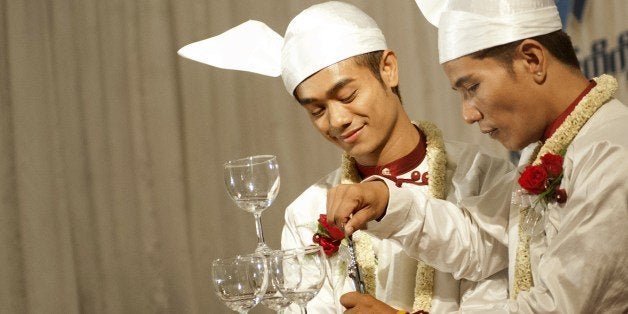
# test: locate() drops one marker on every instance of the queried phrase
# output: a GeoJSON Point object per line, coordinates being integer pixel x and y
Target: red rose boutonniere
{"type": "Point", "coordinates": [328, 236]}
{"type": "Point", "coordinates": [543, 179]}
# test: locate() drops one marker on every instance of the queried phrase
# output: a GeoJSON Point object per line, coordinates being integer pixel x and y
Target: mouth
{"type": "Point", "coordinates": [350, 136]}
{"type": "Point", "coordinates": [490, 132]}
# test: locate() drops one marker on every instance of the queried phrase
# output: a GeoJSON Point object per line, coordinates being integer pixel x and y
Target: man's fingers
{"type": "Point", "coordinates": [350, 299]}
{"type": "Point", "coordinates": [351, 206]}
{"type": "Point", "coordinates": [358, 221]}
{"type": "Point", "coordinates": [337, 212]}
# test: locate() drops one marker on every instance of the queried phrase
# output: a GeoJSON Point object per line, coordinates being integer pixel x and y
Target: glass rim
{"type": "Point", "coordinates": [249, 160]}
{"type": "Point", "coordinates": [247, 257]}
{"type": "Point", "coordinates": [298, 250]}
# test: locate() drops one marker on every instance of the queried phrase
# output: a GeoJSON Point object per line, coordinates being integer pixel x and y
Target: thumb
{"type": "Point", "coordinates": [357, 221]}
{"type": "Point", "coordinates": [350, 299]}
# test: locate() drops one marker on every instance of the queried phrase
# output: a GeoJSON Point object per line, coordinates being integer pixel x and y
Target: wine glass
{"type": "Point", "coordinates": [241, 281]}
{"type": "Point", "coordinates": [273, 299]}
{"type": "Point", "coordinates": [299, 273]}
{"type": "Point", "coordinates": [253, 183]}
{"type": "Point", "coordinates": [337, 271]}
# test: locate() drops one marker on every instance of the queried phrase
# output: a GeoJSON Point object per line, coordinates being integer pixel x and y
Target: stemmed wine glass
{"type": "Point", "coordinates": [298, 273]}
{"type": "Point", "coordinates": [241, 281]}
{"type": "Point", "coordinates": [273, 299]}
{"type": "Point", "coordinates": [253, 183]}
{"type": "Point", "coordinates": [337, 271]}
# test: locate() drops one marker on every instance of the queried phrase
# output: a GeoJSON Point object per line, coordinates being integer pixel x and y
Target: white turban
{"type": "Point", "coordinates": [318, 37]}
{"type": "Point", "coordinates": [468, 26]}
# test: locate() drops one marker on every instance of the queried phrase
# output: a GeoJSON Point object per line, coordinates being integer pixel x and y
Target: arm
{"type": "Point", "coordinates": [464, 235]}
{"type": "Point", "coordinates": [466, 240]}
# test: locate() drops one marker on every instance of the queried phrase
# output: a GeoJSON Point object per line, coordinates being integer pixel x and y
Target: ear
{"type": "Point", "coordinates": [388, 68]}
{"type": "Point", "coordinates": [535, 59]}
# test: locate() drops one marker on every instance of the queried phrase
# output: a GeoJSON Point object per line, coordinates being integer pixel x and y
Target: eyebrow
{"type": "Point", "coordinates": [332, 91]}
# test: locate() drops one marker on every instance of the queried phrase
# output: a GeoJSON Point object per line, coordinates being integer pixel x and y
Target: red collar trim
{"type": "Point", "coordinates": [549, 131]}
{"type": "Point", "coordinates": [399, 166]}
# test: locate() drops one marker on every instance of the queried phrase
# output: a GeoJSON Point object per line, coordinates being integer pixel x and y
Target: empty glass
{"type": "Point", "coordinates": [299, 273]}
{"type": "Point", "coordinates": [253, 184]}
{"type": "Point", "coordinates": [241, 281]}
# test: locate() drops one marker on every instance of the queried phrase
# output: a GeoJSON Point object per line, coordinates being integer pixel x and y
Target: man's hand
{"type": "Point", "coordinates": [356, 302]}
{"type": "Point", "coordinates": [366, 201]}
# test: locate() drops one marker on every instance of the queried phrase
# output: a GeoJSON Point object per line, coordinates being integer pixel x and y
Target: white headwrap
{"type": "Point", "coordinates": [316, 38]}
{"type": "Point", "coordinates": [468, 26]}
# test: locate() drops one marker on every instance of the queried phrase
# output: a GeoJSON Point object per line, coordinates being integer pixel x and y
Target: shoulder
{"type": "Point", "coordinates": [314, 199]}
{"type": "Point", "coordinates": [601, 146]}
{"type": "Point", "coordinates": [609, 123]}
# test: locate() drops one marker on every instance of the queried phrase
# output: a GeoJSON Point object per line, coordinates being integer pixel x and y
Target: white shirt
{"type": "Point", "coordinates": [579, 264]}
{"type": "Point", "coordinates": [468, 172]}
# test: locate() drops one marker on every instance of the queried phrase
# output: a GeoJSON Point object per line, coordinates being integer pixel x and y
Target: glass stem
{"type": "Point", "coordinates": [261, 245]}
{"type": "Point", "coordinates": [303, 309]}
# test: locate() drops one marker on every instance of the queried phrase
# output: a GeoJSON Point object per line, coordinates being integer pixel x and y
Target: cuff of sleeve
{"type": "Point", "coordinates": [402, 207]}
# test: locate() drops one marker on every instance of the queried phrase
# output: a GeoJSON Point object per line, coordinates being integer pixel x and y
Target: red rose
{"type": "Point", "coordinates": [330, 246]}
{"type": "Point", "coordinates": [533, 179]}
{"type": "Point", "coordinates": [332, 230]}
{"type": "Point", "coordinates": [553, 164]}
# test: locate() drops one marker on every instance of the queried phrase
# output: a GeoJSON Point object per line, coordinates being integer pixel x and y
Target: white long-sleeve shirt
{"type": "Point", "coordinates": [469, 173]}
{"type": "Point", "coordinates": [579, 264]}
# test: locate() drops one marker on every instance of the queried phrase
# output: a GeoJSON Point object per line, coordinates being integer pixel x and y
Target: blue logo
{"type": "Point", "coordinates": [567, 7]}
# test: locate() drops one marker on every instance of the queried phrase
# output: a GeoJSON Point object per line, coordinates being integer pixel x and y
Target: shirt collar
{"type": "Point", "coordinates": [549, 131]}
{"type": "Point", "coordinates": [399, 166]}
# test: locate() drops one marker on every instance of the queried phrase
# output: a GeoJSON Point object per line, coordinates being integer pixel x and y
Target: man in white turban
{"type": "Point", "coordinates": [334, 60]}
{"type": "Point", "coordinates": [519, 80]}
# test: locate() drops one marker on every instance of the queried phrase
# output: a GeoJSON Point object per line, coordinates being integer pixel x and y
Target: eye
{"type": "Point", "coordinates": [350, 98]}
{"type": "Point", "coordinates": [317, 112]}
{"type": "Point", "coordinates": [473, 88]}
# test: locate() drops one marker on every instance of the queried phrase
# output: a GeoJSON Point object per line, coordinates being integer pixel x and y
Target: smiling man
{"type": "Point", "coordinates": [336, 63]}
{"type": "Point", "coordinates": [354, 102]}
{"type": "Point", "coordinates": [521, 83]}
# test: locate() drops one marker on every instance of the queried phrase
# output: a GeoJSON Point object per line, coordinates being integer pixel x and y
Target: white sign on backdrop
{"type": "Point", "coordinates": [599, 30]}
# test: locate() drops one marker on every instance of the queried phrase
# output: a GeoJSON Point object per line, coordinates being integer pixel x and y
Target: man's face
{"type": "Point", "coordinates": [502, 102]}
{"type": "Point", "coordinates": [350, 108]}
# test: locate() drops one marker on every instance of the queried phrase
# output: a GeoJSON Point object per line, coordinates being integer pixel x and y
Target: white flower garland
{"type": "Point", "coordinates": [557, 144]}
{"type": "Point", "coordinates": [437, 163]}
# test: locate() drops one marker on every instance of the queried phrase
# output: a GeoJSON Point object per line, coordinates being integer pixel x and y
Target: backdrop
{"type": "Point", "coordinates": [111, 146]}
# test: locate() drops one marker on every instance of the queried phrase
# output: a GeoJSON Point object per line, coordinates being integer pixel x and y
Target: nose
{"type": "Point", "coordinates": [470, 113]}
{"type": "Point", "coordinates": [339, 116]}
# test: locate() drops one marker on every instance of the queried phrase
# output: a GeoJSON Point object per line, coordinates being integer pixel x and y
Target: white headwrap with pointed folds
{"type": "Point", "coordinates": [468, 26]}
{"type": "Point", "coordinates": [316, 38]}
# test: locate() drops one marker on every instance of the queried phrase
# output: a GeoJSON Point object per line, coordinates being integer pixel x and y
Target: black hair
{"type": "Point", "coordinates": [557, 43]}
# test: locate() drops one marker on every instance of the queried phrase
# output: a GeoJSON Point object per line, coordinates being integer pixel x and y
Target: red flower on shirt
{"type": "Point", "coordinates": [533, 179]}
{"type": "Point", "coordinates": [544, 179]}
{"type": "Point", "coordinates": [330, 246]}
{"type": "Point", "coordinates": [328, 236]}
{"type": "Point", "coordinates": [331, 230]}
{"type": "Point", "coordinates": [553, 164]}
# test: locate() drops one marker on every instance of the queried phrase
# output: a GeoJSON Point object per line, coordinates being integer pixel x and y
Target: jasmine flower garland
{"type": "Point", "coordinates": [437, 162]}
{"type": "Point", "coordinates": [557, 145]}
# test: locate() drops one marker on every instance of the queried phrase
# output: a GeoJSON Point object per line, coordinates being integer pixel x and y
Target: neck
{"type": "Point", "coordinates": [398, 143]}
{"type": "Point", "coordinates": [561, 90]}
